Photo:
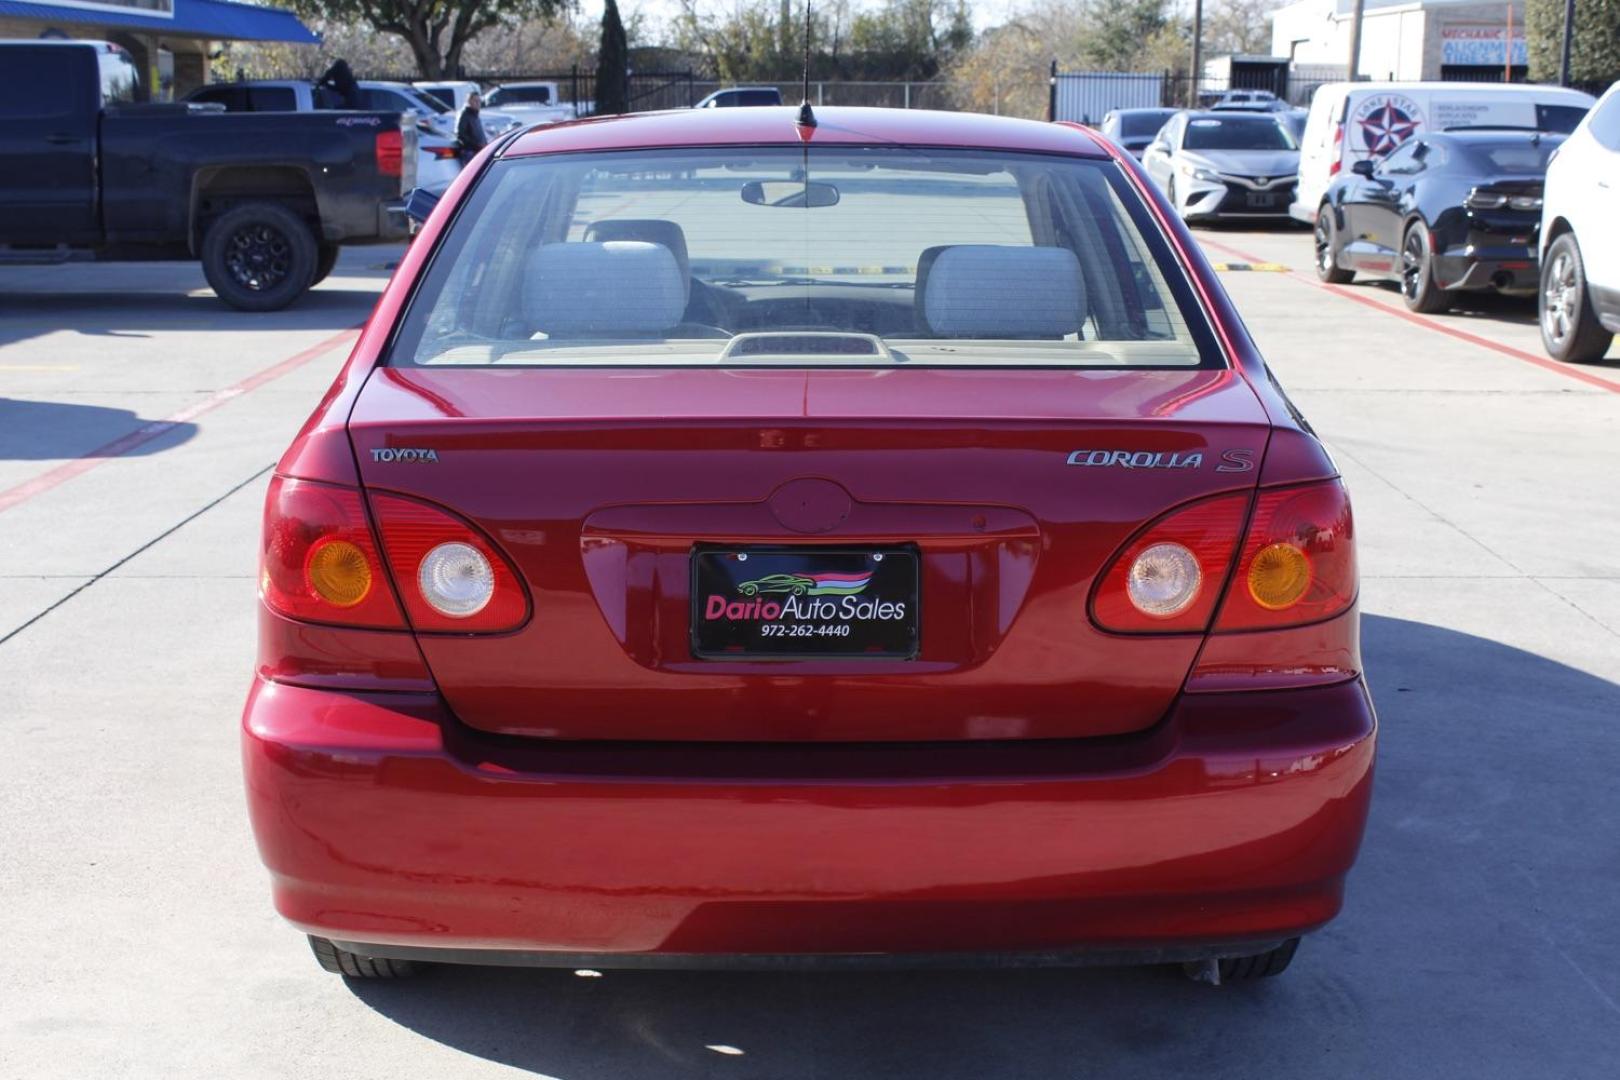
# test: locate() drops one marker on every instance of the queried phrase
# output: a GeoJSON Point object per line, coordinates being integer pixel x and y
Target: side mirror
{"type": "Point", "coordinates": [1364, 167]}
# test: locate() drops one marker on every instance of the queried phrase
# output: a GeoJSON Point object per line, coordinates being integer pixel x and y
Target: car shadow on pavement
{"type": "Point", "coordinates": [1477, 938]}
{"type": "Point", "coordinates": [25, 315]}
{"type": "Point", "coordinates": [48, 430]}
{"type": "Point", "coordinates": [1485, 305]}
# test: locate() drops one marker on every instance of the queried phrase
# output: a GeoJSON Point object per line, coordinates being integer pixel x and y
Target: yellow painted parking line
{"type": "Point", "coordinates": [1269, 268]}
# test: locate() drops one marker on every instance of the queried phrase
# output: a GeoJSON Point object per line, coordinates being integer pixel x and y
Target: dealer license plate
{"type": "Point", "coordinates": [1262, 199]}
{"type": "Point", "coordinates": [781, 603]}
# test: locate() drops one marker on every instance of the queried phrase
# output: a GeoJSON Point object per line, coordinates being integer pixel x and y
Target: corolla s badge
{"type": "Point", "coordinates": [405, 454]}
{"type": "Point", "coordinates": [1239, 460]}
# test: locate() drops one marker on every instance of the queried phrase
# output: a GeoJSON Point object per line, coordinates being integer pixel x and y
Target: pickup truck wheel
{"type": "Point", "coordinates": [343, 962]}
{"type": "Point", "coordinates": [324, 263]}
{"type": "Point", "coordinates": [1570, 330]}
{"type": "Point", "coordinates": [259, 257]}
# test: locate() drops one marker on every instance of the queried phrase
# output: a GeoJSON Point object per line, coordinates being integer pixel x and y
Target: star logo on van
{"type": "Point", "coordinates": [1386, 128]}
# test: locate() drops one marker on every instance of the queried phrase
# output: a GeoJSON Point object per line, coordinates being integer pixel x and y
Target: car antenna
{"type": "Point", "coordinates": [807, 118]}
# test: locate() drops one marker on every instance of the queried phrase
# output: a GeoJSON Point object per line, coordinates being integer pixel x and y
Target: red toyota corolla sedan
{"type": "Point", "coordinates": [738, 540]}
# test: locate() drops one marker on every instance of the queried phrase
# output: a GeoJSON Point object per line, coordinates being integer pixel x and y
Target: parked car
{"type": "Point", "coordinates": [263, 201]}
{"type": "Point", "coordinates": [454, 94]}
{"type": "Point", "coordinates": [535, 103]}
{"type": "Point", "coordinates": [1350, 122]}
{"type": "Point", "coordinates": [1580, 259]}
{"type": "Point", "coordinates": [1215, 165]}
{"type": "Point", "coordinates": [1249, 101]}
{"type": "Point", "coordinates": [527, 690]}
{"type": "Point", "coordinates": [741, 96]}
{"type": "Point", "coordinates": [1294, 120]}
{"type": "Point", "coordinates": [438, 153]}
{"type": "Point", "coordinates": [1441, 214]}
{"type": "Point", "coordinates": [1134, 129]}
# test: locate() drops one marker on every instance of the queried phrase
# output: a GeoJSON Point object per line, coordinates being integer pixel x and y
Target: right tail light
{"type": "Point", "coordinates": [1298, 563]}
{"type": "Point", "coordinates": [1295, 565]}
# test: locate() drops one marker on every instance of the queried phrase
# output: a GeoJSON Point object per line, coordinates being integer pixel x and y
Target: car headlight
{"type": "Point", "coordinates": [1198, 172]}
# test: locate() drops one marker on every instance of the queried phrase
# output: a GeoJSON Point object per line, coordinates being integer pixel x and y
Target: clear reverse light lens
{"type": "Point", "coordinates": [456, 579]}
{"type": "Point", "coordinates": [1163, 580]}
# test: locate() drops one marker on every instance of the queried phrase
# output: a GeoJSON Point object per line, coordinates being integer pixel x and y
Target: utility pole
{"type": "Point", "coordinates": [1197, 56]}
{"type": "Point", "coordinates": [1355, 41]}
{"type": "Point", "coordinates": [1569, 40]}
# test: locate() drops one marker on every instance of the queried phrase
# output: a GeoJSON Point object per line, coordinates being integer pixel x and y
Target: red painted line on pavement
{"type": "Point", "coordinates": [1546, 363]}
{"type": "Point", "coordinates": [157, 428]}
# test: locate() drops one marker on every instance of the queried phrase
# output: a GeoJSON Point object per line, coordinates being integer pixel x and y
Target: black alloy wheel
{"type": "Point", "coordinates": [1418, 288]}
{"type": "Point", "coordinates": [259, 256]}
{"type": "Point", "coordinates": [1327, 250]}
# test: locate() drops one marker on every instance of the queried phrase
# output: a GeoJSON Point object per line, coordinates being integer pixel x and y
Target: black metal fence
{"type": "Point", "coordinates": [645, 90]}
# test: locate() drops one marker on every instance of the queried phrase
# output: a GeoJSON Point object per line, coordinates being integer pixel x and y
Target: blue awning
{"type": "Point", "coordinates": [218, 20]}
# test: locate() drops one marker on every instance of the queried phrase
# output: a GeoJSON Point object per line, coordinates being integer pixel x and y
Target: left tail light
{"type": "Point", "coordinates": [319, 561]}
{"type": "Point", "coordinates": [390, 153]}
{"type": "Point", "coordinates": [1485, 199]}
{"type": "Point", "coordinates": [443, 153]}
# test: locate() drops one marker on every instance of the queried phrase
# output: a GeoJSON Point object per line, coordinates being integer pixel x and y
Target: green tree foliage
{"type": "Point", "coordinates": [1595, 50]}
{"type": "Point", "coordinates": [763, 40]}
{"type": "Point", "coordinates": [1006, 70]}
{"type": "Point", "coordinates": [436, 31]}
{"type": "Point", "coordinates": [612, 65]}
{"type": "Point", "coordinates": [1116, 32]}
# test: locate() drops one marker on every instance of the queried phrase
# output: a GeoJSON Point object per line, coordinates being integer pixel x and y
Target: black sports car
{"type": "Point", "coordinates": [1441, 213]}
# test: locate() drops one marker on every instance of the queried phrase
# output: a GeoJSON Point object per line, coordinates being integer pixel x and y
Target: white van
{"type": "Point", "coordinates": [1351, 121]}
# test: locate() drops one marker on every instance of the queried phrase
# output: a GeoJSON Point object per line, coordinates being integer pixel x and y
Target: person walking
{"type": "Point", "coordinates": [470, 137]}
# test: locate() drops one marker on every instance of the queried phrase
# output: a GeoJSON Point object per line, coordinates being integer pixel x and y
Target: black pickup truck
{"type": "Point", "coordinates": [262, 199]}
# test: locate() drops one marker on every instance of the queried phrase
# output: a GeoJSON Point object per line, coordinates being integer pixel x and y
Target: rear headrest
{"type": "Point", "coordinates": [650, 230]}
{"type": "Point", "coordinates": [619, 288]}
{"type": "Point", "coordinates": [991, 291]}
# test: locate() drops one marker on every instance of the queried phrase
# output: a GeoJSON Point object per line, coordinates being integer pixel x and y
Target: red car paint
{"type": "Point", "coordinates": [582, 785]}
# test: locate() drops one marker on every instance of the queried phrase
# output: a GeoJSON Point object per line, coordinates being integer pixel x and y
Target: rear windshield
{"type": "Point", "coordinates": [521, 95]}
{"type": "Point", "coordinates": [1516, 156]}
{"type": "Point", "coordinates": [1142, 125]}
{"type": "Point", "coordinates": [738, 256]}
{"type": "Point", "coordinates": [1563, 119]}
{"type": "Point", "coordinates": [1237, 132]}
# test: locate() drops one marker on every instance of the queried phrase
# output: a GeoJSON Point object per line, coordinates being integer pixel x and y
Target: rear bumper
{"type": "Point", "coordinates": [389, 828]}
{"type": "Point", "coordinates": [1504, 266]}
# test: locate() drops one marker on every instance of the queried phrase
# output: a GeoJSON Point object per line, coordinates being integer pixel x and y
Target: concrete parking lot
{"type": "Point", "coordinates": [139, 419]}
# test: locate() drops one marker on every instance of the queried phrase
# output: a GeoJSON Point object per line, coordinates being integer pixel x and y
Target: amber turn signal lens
{"type": "Point", "coordinates": [1279, 576]}
{"type": "Point", "coordinates": [339, 573]}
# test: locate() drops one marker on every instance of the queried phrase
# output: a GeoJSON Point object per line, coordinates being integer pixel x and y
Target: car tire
{"type": "Point", "coordinates": [1327, 250]}
{"type": "Point", "coordinates": [259, 256]}
{"type": "Point", "coordinates": [1417, 273]}
{"type": "Point", "coordinates": [324, 262]}
{"type": "Point", "coordinates": [1264, 965]}
{"type": "Point", "coordinates": [1170, 194]}
{"type": "Point", "coordinates": [1570, 330]}
{"type": "Point", "coordinates": [354, 966]}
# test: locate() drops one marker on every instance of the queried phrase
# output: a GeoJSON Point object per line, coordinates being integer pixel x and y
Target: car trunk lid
{"type": "Point", "coordinates": [1012, 487]}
